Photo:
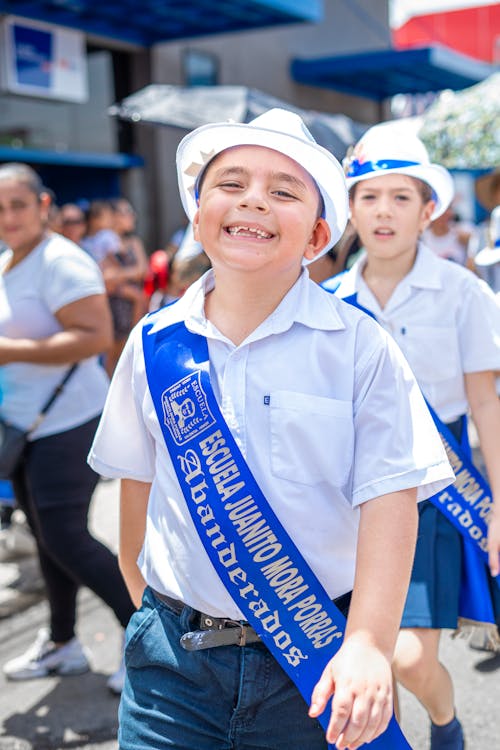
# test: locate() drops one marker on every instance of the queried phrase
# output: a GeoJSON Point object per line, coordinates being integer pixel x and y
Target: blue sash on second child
{"type": "Point", "coordinates": [467, 504]}
{"type": "Point", "coordinates": [258, 563]}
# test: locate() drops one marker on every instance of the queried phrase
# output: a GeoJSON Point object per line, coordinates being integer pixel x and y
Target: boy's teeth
{"type": "Point", "coordinates": [249, 231]}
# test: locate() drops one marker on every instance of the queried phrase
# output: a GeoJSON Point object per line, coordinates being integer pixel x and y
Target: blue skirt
{"type": "Point", "coordinates": [434, 592]}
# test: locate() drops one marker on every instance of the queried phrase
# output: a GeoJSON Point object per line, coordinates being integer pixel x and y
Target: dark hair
{"type": "Point", "coordinates": [25, 174]}
{"type": "Point", "coordinates": [495, 183]}
{"type": "Point", "coordinates": [97, 207]}
{"type": "Point", "coordinates": [118, 203]}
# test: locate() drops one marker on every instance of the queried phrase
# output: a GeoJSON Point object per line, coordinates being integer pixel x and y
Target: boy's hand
{"type": "Point", "coordinates": [359, 676]}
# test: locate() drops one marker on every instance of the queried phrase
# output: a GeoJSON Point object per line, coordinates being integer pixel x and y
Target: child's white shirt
{"type": "Point", "coordinates": [444, 321]}
{"type": "Point", "coordinates": [326, 412]}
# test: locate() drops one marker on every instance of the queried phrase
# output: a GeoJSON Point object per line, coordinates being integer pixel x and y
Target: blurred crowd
{"type": "Point", "coordinates": [139, 280]}
{"type": "Point", "coordinates": [136, 281]}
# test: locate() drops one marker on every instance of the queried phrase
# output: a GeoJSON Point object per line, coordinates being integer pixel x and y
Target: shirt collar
{"type": "Point", "coordinates": [425, 274]}
{"type": "Point", "coordinates": [426, 271]}
{"type": "Point", "coordinates": [305, 303]}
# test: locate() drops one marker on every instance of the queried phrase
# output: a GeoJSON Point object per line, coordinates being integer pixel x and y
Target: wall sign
{"type": "Point", "coordinates": [37, 59]}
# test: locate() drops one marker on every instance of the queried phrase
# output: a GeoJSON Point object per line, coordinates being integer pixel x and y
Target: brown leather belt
{"type": "Point", "coordinates": [222, 631]}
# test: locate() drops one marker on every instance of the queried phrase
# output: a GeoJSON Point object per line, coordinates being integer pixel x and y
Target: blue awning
{"type": "Point", "coordinates": [150, 21]}
{"type": "Point", "coordinates": [70, 158]}
{"type": "Point", "coordinates": [384, 73]}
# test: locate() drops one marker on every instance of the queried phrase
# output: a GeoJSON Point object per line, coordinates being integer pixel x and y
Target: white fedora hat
{"type": "Point", "coordinates": [490, 254]}
{"type": "Point", "coordinates": [388, 148]}
{"type": "Point", "coordinates": [277, 129]}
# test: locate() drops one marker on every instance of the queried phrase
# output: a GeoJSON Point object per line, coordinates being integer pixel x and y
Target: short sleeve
{"type": "Point", "coordinates": [123, 447]}
{"type": "Point", "coordinates": [70, 276]}
{"type": "Point", "coordinates": [479, 328]}
{"type": "Point", "coordinates": [106, 242]}
{"type": "Point", "coordinates": [397, 445]}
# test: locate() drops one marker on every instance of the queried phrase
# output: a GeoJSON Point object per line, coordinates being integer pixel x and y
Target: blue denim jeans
{"type": "Point", "coordinates": [224, 698]}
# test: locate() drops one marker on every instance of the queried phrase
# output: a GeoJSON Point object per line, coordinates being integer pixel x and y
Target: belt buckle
{"type": "Point", "coordinates": [213, 632]}
{"type": "Point", "coordinates": [216, 623]}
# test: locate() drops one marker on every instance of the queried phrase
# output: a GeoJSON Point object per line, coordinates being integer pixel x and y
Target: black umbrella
{"type": "Point", "coordinates": [190, 107]}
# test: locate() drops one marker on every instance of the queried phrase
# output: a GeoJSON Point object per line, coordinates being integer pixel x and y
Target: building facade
{"type": "Point", "coordinates": [83, 153]}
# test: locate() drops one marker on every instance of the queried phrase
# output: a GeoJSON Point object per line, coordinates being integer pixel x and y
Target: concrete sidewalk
{"type": "Point", "coordinates": [60, 713]}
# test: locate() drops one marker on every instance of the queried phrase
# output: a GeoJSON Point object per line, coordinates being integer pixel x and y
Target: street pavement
{"type": "Point", "coordinates": [78, 713]}
{"type": "Point", "coordinates": [69, 712]}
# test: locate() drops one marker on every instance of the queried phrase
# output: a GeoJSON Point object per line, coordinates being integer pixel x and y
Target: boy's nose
{"type": "Point", "coordinates": [255, 200]}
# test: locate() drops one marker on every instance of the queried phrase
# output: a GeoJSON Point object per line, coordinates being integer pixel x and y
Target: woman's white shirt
{"type": "Point", "coordinates": [54, 274]}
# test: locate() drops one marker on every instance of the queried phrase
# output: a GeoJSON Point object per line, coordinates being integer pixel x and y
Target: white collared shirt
{"type": "Point", "coordinates": [326, 412]}
{"type": "Point", "coordinates": [444, 323]}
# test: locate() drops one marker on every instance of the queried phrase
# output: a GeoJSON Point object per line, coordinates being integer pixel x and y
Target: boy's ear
{"type": "Point", "coordinates": [195, 224]}
{"type": "Point", "coordinates": [319, 239]}
{"type": "Point", "coordinates": [427, 212]}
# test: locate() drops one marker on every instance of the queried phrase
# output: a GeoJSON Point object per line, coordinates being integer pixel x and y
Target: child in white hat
{"type": "Point", "coordinates": [444, 323]}
{"type": "Point", "coordinates": [256, 369]}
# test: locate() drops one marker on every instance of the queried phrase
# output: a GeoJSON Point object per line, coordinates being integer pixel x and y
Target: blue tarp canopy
{"type": "Point", "coordinates": [71, 158]}
{"type": "Point", "coordinates": [384, 73]}
{"type": "Point", "coordinates": [150, 21]}
{"type": "Point", "coordinates": [74, 176]}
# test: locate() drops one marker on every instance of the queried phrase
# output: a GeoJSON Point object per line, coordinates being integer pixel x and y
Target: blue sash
{"type": "Point", "coordinates": [258, 563]}
{"type": "Point", "coordinates": [467, 504]}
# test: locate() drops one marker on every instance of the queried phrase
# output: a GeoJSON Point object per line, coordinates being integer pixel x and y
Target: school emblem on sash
{"type": "Point", "coordinates": [185, 409]}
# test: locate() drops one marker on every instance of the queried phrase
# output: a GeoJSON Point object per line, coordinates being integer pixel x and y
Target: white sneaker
{"type": "Point", "coordinates": [43, 658]}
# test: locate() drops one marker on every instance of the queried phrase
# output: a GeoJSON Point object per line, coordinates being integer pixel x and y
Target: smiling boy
{"type": "Point", "coordinates": [307, 423]}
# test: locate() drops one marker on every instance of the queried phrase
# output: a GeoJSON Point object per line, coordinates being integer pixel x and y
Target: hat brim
{"type": "Point", "coordinates": [201, 145]}
{"type": "Point", "coordinates": [437, 177]}
{"type": "Point", "coordinates": [488, 256]}
{"type": "Point", "coordinates": [483, 189]}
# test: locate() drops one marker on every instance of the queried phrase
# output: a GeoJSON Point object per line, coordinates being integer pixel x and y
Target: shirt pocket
{"type": "Point", "coordinates": [312, 438]}
{"type": "Point", "coordinates": [433, 353]}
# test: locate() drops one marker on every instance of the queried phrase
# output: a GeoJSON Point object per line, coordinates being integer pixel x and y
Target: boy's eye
{"type": "Point", "coordinates": [402, 197]}
{"type": "Point", "coordinates": [230, 184]}
{"type": "Point", "coordinates": [283, 194]}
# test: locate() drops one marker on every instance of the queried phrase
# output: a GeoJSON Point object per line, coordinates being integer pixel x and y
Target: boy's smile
{"type": "Point", "coordinates": [258, 210]}
{"type": "Point", "coordinates": [249, 231]}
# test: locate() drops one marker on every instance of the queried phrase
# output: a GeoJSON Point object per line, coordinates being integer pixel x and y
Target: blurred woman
{"type": "Point", "coordinates": [53, 313]}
